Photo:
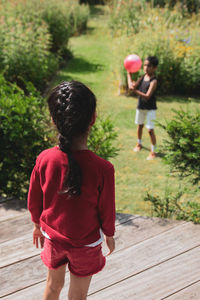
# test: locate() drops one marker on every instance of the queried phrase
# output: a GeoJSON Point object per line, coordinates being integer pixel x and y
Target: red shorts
{"type": "Point", "coordinates": [83, 261]}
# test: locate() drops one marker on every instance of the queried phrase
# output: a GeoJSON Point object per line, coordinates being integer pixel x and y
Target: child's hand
{"type": "Point", "coordinates": [38, 236]}
{"type": "Point", "coordinates": [133, 85]}
{"type": "Point", "coordinates": [110, 242]}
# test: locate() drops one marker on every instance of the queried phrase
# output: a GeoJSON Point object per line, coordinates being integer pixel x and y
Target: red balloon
{"type": "Point", "coordinates": [132, 63]}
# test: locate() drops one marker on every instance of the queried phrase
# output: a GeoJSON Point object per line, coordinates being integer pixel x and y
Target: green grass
{"type": "Point", "coordinates": [93, 64]}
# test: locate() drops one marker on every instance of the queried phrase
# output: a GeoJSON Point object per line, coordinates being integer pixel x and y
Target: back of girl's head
{"type": "Point", "coordinates": [153, 60]}
{"type": "Point", "coordinates": [71, 106]}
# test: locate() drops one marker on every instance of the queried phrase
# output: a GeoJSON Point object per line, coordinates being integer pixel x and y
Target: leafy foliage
{"type": "Point", "coordinates": [182, 152]}
{"type": "Point", "coordinates": [165, 207]}
{"type": "Point", "coordinates": [182, 147]}
{"type": "Point", "coordinates": [23, 134]}
{"type": "Point", "coordinates": [34, 37]}
{"type": "Point", "coordinates": [186, 6]}
{"type": "Point", "coordinates": [25, 52]}
{"type": "Point", "coordinates": [171, 206]}
{"type": "Point", "coordinates": [102, 137]}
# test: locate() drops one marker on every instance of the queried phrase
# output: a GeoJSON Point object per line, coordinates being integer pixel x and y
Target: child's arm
{"type": "Point", "coordinates": [35, 206]}
{"type": "Point", "coordinates": [133, 84]}
{"type": "Point", "coordinates": [37, 236]}
{"type": "Point", "coordinates": [106, 207]}
{"type": "Point", "coordinates": [110, 242]}
{"type": "Point", "coordinates": [130, 81]}
{"type": "Point", "coordinates": [151, 90]}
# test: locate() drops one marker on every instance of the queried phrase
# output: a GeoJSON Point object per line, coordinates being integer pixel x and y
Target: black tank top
{"type": "Point", "coordinates": [151, 102]}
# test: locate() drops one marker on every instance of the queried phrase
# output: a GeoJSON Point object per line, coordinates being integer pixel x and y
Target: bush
{"type": "Point", "coordinates": [58, 26]}
{"type": "Point", "coordinates": [23, 134]}
{"type": "Point", "coordinates": [171, 206]}
{"type": "Point", "coordinates": [101, 139]}
{"type": "Point", "coordinates": [125, 16]}
{"type": "Point", "coordinates": [25, 52]}
{"type": "Point", "coordinates": [78, 18]}
{"type": "Point", "coordinates": [34, 37]}
{"type": "Point", "coordinates": [186, 6]}
{"type": "Point", "coordinates": [164, 207]}
{"type": "Point", "coordinates": [182, 147]}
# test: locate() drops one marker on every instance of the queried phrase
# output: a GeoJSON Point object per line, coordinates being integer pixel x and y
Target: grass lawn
{"type": "Point", "coordinates": [93, 64]}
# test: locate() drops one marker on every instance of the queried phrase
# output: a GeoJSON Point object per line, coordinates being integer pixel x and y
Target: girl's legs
{"type": "Point", "coordinates": [78, 288]}
{"type": "Point", "coordinates": [55, 283]}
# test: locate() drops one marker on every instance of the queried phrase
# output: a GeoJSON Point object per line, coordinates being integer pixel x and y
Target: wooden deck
{"type": "Point", "coordinates": [154, 259]}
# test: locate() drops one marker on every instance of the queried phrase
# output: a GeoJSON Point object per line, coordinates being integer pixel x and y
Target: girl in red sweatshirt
{"type": "Point", "coordinates": [71, 196]}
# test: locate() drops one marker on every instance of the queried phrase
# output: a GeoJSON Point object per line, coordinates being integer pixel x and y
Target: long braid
{"type": "Point", "coordinates": [71, 105]}
{"type": "Point", "coordinates": [73, 178]}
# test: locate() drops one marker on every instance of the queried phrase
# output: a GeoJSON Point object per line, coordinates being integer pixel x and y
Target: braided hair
{"type": "Point", "coordinates": [71, 105]}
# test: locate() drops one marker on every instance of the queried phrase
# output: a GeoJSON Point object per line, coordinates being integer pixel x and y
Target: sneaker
{"type": "Point", "coordinates": [151, 156]}
{"type": "Point", "coordinates": [137, 148]}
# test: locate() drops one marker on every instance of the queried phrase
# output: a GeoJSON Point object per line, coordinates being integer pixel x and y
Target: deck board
{"type": "Point", "coordinates": [132, 231]}
{"type": "Point", "coordinates": [191, 292]}
{"type": "Point", "coordinates": [157, 282]}
{"type": "Point", "coordinates": [152, 254]}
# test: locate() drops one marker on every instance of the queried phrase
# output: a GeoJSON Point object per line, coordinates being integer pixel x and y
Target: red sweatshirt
{"type": "Point", "coordinates": [74, 220]}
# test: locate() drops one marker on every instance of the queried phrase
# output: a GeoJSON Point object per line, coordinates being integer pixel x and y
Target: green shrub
{"type": "Point", "coordinates": [186, 6]}
{"type": "Point", "coordinates": [102, 137]}
{"type": "Point", "coordinates": [78, 18]}
{"type": "Point", "coordinates": [166, 206]}
{"type": "Point", "coordinates": [171, 206]}
{"type": "Point", "coordinates": [23, 134]}
{"type": "Point", "coordinates": [125, 16]}
{"type": "Point", "coordinates": [91, 2]}
{"type": "Point", "coordinates": [25, 52]}
{"type": "Point", "coordinates": [58, 26]}
{"type": "Point", "coordinates": [182, 146]}
{"type": "Point", "coordinates": [34, 37]}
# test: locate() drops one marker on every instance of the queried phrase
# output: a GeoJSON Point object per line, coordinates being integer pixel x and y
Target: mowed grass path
{"type": "Point", "coordinates": [93, 64]}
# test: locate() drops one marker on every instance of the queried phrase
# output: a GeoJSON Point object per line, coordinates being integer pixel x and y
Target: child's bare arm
{"type": "Point", "coordinates": [110, 242]}
{"type": "Point", "coordinates": [37, 236]}
{"type": "Point", "coordinates": [130, 81]}
{"type": "Point", "coordinates": [151, 90]}
{"type": "Point", "coordinates": [133, 84]}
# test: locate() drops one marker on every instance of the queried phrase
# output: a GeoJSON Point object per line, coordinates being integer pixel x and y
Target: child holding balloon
{"type": "Point", "coordinates": [145, 88]}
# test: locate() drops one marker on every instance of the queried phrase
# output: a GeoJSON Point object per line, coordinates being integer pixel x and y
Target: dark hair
{"type": "Point", "coordinates": [153, 60]}
{"type": "Point", "coordinates": [71, 105]}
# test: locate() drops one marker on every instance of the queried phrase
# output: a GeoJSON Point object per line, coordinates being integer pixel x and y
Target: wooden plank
{"type": "Point", "coordinates": [141, 228]}
{"type": "Point", "coordinates": [128, 233]}
{"type": "Point", "coordinates": [15, 227]}
{"type": "Point", "coordinates": [11, 209]}
{"type": "Point", "coordinates": [148, 253]}
{"type": "Point", "coordinates": [22, 274]}
{"type": "Point", "coordinates": [34, 292]}
{"type": "Point", "coordinates": [22, 224]}
{"type": "Point", "coordinates": [137, 258]}
{"type": "Point", "coordinates": [16, 250]}
{"type": "Point", "coordinates": [191, 292]}
{"type": "Point", "coordinates": [158, 282]}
